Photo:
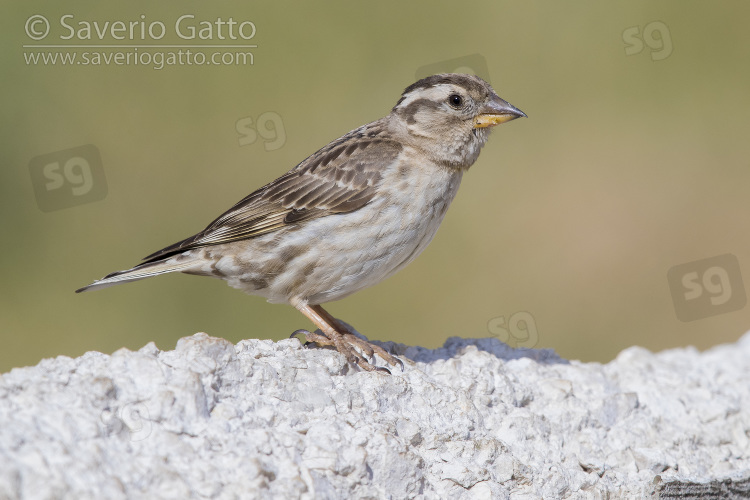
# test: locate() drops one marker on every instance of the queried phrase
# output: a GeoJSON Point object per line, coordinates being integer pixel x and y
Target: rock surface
{"type": "Point", "coordinates": [473, 419]}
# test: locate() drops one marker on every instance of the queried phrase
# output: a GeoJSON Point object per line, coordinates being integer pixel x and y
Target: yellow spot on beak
{"type": "Point", "coordinates": [490, 120]}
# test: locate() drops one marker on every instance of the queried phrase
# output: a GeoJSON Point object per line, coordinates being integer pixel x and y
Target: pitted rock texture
{"type": "Point", "coordinates": [474, 419]}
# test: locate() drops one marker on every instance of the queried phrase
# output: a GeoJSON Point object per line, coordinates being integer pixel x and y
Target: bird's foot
{"type": "Point", "coordinates": [345, 343]}
{"type": "Point", "coordinates": [371, 349]}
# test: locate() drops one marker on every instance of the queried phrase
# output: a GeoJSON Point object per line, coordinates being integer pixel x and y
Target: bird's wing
{"type": "Point", "coordinates": [339, 178]}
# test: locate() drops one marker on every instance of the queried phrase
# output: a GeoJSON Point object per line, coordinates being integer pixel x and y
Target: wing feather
{"type": "Point", "coordinates": [339, 178]}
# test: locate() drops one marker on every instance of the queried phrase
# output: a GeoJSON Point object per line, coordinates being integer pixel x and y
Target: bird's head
{"type": "Point", "coordinates": [449, 116]}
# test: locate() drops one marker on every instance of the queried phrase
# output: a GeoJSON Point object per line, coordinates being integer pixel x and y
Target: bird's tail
{"type": "Point", "coordinates": [138, 273]}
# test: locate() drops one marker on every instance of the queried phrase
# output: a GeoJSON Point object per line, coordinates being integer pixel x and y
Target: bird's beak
{"type": "Point", "coordinates": [495, 112]}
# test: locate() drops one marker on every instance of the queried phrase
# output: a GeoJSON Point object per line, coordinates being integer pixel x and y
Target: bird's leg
{"type": "Point", "coordinates": [332, 336]}
{"type": "Point", "coordinates": [368, 348]}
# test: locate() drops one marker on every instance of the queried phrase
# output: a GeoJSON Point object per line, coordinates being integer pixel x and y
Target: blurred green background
{"type": "Point", "coordinates": [634, 159]}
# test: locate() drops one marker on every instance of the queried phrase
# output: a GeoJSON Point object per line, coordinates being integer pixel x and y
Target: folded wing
{"type": "Point", "coordinates": [340, 178]}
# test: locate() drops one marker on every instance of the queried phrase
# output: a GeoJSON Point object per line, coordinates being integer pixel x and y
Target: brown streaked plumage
{"type": "Point", "coordinates": [349, 215]}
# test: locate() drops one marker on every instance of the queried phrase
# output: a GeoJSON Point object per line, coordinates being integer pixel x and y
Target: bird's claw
{"type": "Point", "coordinates": [301, 331]}
{"type": "Point", "coordinates": [400, 363]}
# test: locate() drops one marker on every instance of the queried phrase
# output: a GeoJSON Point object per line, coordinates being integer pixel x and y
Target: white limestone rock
{"type": "Point", "coordinates": [474, 419]}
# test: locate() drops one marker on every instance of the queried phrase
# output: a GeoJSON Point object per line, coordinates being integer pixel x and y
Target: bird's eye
{"type": "Point", "coordinates": [455, 100]}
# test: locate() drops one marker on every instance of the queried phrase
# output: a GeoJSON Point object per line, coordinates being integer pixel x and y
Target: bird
{"type": "Point", "coordinates": [349, 215]}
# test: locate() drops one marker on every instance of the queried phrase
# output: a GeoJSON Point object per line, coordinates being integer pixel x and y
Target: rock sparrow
{"type": "Point", "coordinates": [348, 216]}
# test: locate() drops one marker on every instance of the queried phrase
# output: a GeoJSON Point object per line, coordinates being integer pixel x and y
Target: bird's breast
{"type": "Point", "coordinates": [328, 258]}
{"type": "Point", "coordinates": [418, 201]}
